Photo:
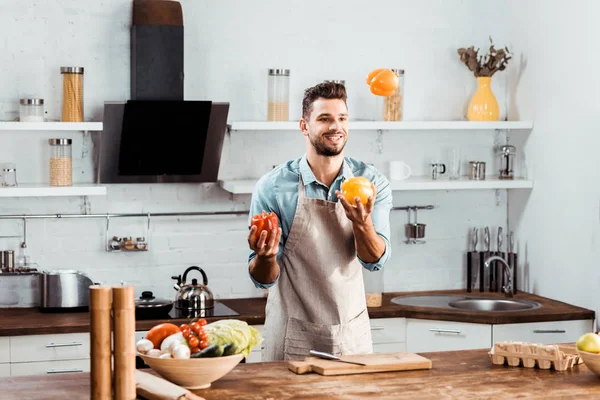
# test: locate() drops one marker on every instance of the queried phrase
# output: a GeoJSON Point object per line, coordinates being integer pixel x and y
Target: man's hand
{"type": "Point", "coordinates": [358, 213]}
{"type": "Point", "coordinates": [261, 247]}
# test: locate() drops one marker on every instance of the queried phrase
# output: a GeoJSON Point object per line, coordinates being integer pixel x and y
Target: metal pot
{"type": "Point", "coordinates": [195, 296]}
{"type": "Point", "coordinates": [149, 307]}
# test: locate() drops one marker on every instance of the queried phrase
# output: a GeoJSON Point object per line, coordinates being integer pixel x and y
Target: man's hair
{"type": "Point", "coordinates": [326, 90]}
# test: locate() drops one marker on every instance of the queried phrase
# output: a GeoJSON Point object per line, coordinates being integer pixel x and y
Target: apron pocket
{"type": "Point", "coordinates": [302, 336]}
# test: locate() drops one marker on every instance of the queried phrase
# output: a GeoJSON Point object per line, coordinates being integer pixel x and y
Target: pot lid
{"type": "Point", "coordinates": [147, 300]}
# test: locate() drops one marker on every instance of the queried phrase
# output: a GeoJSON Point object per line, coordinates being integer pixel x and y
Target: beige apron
{"type": "Point", "coordinates": [319, 300]}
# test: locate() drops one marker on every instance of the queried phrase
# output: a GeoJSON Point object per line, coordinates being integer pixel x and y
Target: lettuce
{"type": "Point", "coordinates": [243, 336]}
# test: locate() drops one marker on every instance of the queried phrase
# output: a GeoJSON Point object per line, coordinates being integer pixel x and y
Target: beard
{"type": "Point", "coordinates": [325, 149]}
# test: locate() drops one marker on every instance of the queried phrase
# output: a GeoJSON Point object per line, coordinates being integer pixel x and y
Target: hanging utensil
{"type": "Point", "coordinates": [512, 259]}
{"type": "Point", "coordinates": [484, 274]}
{"type": "Point", "coordinates": [497, 267]}
{"type": "Point", "coordinates": [472, 262]}
{"type": "Point", "coordinates": [327, 356]}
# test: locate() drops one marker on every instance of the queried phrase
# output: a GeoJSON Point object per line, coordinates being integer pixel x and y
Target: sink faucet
{"type": "Point", "coordinates": [508, 289]}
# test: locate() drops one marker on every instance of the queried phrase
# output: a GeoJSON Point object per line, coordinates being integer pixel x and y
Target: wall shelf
{"type": "Point", "coordinates": [389, 125]}
{"type": "Point", "coordinates": [50, 126]}
{"type": "Point", "coordinates": [41, 190]}
{"type": "Point", "coordinates": [414, 183]}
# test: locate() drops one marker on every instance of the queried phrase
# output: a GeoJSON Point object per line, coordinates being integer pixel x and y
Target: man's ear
{"type": "Point", "coordinates": [303, 126]}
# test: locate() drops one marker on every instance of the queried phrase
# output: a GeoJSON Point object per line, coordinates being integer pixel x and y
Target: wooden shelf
{"type": "Point", "coordinates": [414, 183]}
{"type": "Point", "coordinates": [392, 125]}
{"type": "Point", "coordinates": [29, 190]}
{"type": "Point", "coordinates": [50, 126]}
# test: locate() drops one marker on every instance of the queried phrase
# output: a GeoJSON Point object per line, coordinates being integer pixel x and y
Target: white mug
{"type": "Point", "coordinates": [399, 170]}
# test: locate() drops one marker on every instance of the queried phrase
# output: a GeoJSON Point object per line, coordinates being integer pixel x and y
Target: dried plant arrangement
{"type": "Point", "coordinates": [485, 65]}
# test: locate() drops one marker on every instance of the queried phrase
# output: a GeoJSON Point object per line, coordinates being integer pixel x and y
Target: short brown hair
{"type": "Point", "coordinates": [326, 90]}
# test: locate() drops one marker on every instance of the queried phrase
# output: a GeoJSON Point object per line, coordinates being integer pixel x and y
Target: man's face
{"type": "Point", "coordinates": [327, 127]}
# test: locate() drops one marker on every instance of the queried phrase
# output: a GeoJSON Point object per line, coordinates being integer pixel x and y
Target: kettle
{"type": "Point", "coordinates": [194, 296]}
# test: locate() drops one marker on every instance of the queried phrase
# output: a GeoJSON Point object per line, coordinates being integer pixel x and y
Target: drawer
{"type": "Point", "coordinates": [427, 335]}
{"type": "Point", "coordinates": [4, 349]}
{"type": "Point", "coordinates": [4, 370]}
{"type": "Point", "coordinates": [389, 347]}
{"type": "Point", "coordinates": [67, 346]}
{"type": "Point", "coordinates": [543, 332]}
{"type": "Point", "coordinates": [254, 357]}
{"type": "Point", "coordinates": [49, 367]}
{"type": "Point", "coordinates": [388, 330]}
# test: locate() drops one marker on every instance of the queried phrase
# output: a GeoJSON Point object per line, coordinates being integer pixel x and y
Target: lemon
{"type": "Point", "coordinates": [589, 342]}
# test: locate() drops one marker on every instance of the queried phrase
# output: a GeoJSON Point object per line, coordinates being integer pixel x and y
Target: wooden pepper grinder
{"type": "Point", "coordinates": [100, 342]}
{"type": "Point", "coordinates": [124, 351]}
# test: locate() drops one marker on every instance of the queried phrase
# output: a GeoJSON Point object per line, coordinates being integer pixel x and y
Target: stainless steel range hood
{"type": "Point", "coordinates": [157, 136]}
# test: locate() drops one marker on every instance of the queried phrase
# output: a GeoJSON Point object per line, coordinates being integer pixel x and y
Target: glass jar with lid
{"type": "Point", "coordinates": [61, 167]}
{"type": "Point", "coordinates": [72, 100]}
{"type": "Point", "coordinates": [31, 110]}
{"type": "Point", "coordinates": [393, 106]}
{"type": "Point", "coordinates": [506, 159]}
{"type": "Point", "coordinates": [278, 94]}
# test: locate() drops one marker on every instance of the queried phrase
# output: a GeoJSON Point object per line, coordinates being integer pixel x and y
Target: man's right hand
{"type": "Point", "coordinates": [261, 247]}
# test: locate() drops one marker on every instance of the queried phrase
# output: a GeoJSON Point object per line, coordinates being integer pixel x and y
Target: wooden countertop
{"type": "Point", "coordinates": [30, 321]}
{"type": "Point", "coordinates": [455, 375]}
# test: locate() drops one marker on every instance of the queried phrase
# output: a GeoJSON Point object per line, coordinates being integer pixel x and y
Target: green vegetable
{"type": "Point", "coordinates": [243, 336]}
{"type": "Point", "coordinates": [229, 349]}
{"type": "Point", "coordinates": [214, 350]}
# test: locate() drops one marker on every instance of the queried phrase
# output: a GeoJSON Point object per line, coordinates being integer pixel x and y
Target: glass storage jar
{"type": "Point", "coordinates": [61, 173]}
{"type": "Point", "coordinates": [31, 110]}
{"type": "Point", "coordinates": [279, 93]}
{"type": "Point", "coordinates": [393, 105]}
{"type": "Point", "coordinates": [72, 101]}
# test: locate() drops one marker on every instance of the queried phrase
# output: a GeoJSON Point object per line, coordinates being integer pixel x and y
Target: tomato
{"type": "Point", "coordinates": [160, 332]}
{"type": "Point", "coordinates": [357, 186]}
{"type": "Point", "coordinates": [265, 221]}
{"type": "Point", "coordinates": [193, 341]}
{"type": "Point", "coordinates": [383, 82]}
{"type": "Point", "coordinates": [202, 321]}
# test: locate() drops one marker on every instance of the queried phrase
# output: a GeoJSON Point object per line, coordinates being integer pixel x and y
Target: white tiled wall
{"type": "Point", "coordinates": [226, 57]}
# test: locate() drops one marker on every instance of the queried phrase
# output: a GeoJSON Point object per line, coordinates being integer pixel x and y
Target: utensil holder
{"type": "Point", "coordinates": [414, 231]}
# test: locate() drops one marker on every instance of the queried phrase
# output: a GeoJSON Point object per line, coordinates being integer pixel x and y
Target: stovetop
{"type": "Point", "coordinates": [219, 310]}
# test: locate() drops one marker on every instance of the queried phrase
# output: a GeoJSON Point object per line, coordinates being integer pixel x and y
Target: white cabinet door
{"type": "Point", "coordinates": [4, 370]}
{"type": "Point", "coordinates": [428, 335]}
{"type": "Point", "coordinates": [389, 347]}
{"type": "Point", "coordinates": [4, 349]}
{"type": "Point", "coordinates": [49, 367]}
{"type": "Point", "coordinates": [388, 330]}
{"type": "Point", "coordinates": [65, 346]}
{"type": "Point", "coordinates": [256, 353]}
{"type": "Point", "coordinates": [543, 332]}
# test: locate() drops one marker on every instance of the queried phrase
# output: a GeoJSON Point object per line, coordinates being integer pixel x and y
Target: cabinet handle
{"type": "Point", "coordinates": [549, 331]}
{"type": "Point", "coordinates": [72, 344]}
{"type": "Point", "coordinates": [438, 330]}
{"type": "Point", "coordinates": [64, 371]}
{"type": "Point", "coordinates": [377, 328]}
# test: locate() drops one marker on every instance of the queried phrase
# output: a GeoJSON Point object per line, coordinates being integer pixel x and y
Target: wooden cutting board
{"type": "Point", "coordinates": [384, 362]}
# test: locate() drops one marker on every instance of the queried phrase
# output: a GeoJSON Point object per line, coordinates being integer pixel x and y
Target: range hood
{"type": "Point", "coordinates": [157, 136]}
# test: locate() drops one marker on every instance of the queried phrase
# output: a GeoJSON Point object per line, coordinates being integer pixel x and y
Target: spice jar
{"type": "Point", "coordinates": [279, 92]}
{"type": "Point", "coordinates": [60, 162]}
{"type": "Point", "coordinates": [9, 175]}
{"type": "Point", "coordinates": [115, 243]}
{"type": "Point", "coordinates": [31, 110]}
{"type": "Point", "coordinates": [141, 243]}
{"type": "Point", "coordinates": [393, 105]}
{"type": "Point", "coordinates": [72, 105]}
{"type": "Point", "coordinates": [128, 244]}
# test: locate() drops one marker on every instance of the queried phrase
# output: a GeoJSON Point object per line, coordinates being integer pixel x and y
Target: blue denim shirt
{"type": "Point", "coordinates": [277, 191]}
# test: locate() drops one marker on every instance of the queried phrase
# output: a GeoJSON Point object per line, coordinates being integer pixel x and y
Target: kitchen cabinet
{"type": "Point", "coordinates": [66, 346]}
{"type": "Point", "coordinates": [424, 335]}
{"type": "Point", "coordinates": [256, 353]}
{"type": "Point", "coordinates": [388, 334]}
{"type": "Point", "coordinates": [542, 332]}
{"type": "Point", "coordinates": [49, 367]}
{"type": "Point", "coordinates": [4, 350]}
{"type": "Point", "coordinates": [4, 369]}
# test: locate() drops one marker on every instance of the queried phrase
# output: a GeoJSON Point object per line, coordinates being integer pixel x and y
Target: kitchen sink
{"type": "Point", "coordinates": [493, 304]}
{"type": "Point", "coordinates": [448, 301]}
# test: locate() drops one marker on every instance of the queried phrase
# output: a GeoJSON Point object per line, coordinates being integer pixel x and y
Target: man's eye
{"type": "Point", "coordinates": [343, 119]}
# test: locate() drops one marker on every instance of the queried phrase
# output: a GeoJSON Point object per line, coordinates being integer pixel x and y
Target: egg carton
{"type": "Point", "coordinates": [545, 356]}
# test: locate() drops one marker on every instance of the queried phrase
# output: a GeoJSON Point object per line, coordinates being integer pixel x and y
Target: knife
{"type": "Point", "coordinates": [512, 259]}
{"type": "Point", "coordinates": [499, 281]}
{"type": "Point", "coordinates": [328, 356]}
{"type": "Point", "coordinates": [484, 275]}
{"type": "Point", "coordinates": [472, 262]}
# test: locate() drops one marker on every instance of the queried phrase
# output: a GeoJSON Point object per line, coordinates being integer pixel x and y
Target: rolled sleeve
{"type": "Point", "coordinates": [381, 220]}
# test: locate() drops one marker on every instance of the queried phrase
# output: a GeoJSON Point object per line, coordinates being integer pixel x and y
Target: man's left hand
{"type": "Point", "coordinates": [358, 213]}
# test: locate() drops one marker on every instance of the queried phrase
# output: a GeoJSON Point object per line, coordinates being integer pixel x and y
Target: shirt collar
{"type": "Point", "coordinates": [308, 176]}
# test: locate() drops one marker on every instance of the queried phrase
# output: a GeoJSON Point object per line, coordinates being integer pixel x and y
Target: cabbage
{"type": "Point", "coordinates": [243, 336]}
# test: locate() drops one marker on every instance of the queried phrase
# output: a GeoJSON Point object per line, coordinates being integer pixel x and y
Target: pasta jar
{"type": "Point", "coordinates": [61, 172]}
{"type": "Point", "coordinates": [393, 105]}
{"type": "Point", "coordinates": [279, 92]}
{"type": "Point", "coordinates": [31, 110]}
{"type": "Point", "coordinates": [72, 106]}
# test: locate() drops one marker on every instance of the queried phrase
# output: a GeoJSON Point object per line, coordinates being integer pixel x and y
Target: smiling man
{"type": "Point", "coordinates": [313, 263]}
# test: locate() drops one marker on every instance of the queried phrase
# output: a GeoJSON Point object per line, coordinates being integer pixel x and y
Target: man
{"type": "Point", "coordinates": [312, 264]}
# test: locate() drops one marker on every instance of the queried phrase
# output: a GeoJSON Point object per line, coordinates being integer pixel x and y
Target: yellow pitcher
{"type": "Point", "coordinates": [483, 105]}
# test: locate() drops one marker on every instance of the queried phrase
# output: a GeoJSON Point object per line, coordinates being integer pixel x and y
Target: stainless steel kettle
{"type": "Point", "coordinates": [195, 296]}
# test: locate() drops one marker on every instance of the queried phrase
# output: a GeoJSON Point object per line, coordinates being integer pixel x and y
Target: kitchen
{"type": "Point", "coordinates": [224, 62]}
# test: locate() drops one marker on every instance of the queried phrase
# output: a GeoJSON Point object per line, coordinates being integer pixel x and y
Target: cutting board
{"type": "Point", "coordinates": [384, 362]}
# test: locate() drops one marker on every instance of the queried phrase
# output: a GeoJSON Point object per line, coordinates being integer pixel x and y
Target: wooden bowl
{"type": "Point", "coordinates": [192, 373]}
{"type": "Point", "coordinates": [591, 361]}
